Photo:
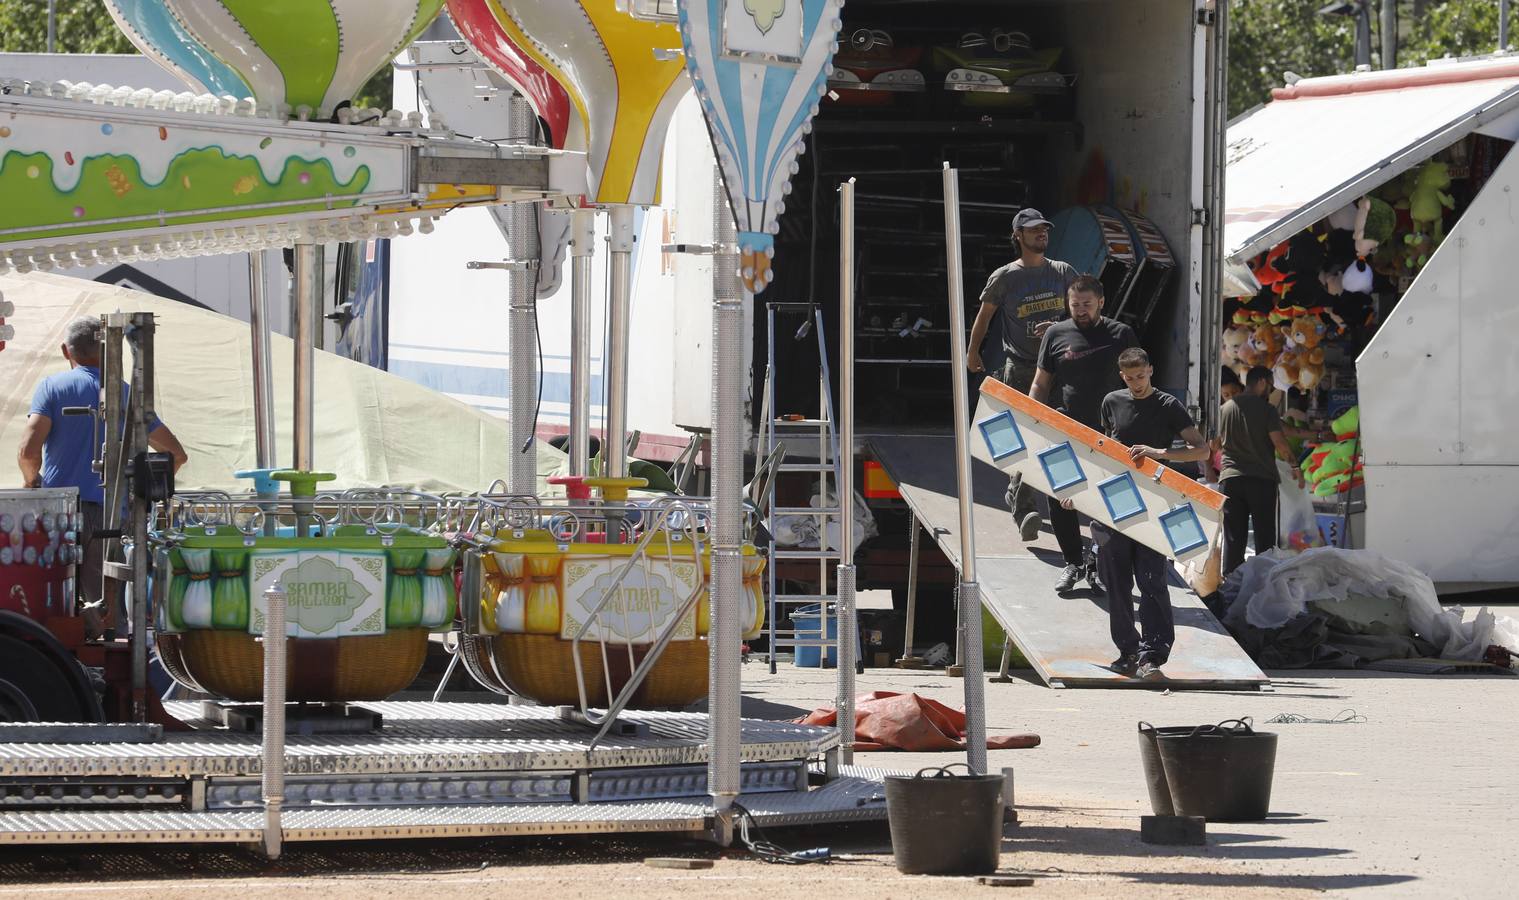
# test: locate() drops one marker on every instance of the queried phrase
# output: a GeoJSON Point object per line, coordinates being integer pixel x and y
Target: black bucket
{"type": "Point", "coordinates": [1220, 772]}
{"type": "Point", "coordinates": [945, 824]}
{"type": "Point", "coordinates": [1155, 773]}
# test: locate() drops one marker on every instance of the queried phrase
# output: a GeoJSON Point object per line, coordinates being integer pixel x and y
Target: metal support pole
{"type": "Point", "coordinates": [614, 442]}
{"type": "Point", "coordinates": [140, 410]}
{"type": "Point", "coordinates": [263, 372]}
{"type": "Point", "coordinates": [52, 26]}
{"type": "Point", "coordinates": [1503, 24]}
{"type": "Point", "coordinates": [1363, 33]}
{"type": "Point", "coordinates": [306, 324]}
{"type": "Point", "coordinates": [848, 622]}
{"type": "Point", "coordinates": [522, 329]}
{"type": "Point", "coordinates": [113, 418]}
{"type": "Point", "coordinates": [726, 589]}
{"type": "Point", "coordinates": [582, 250]}
{"type": "Point", "coordinates": [274, 718]}
{"type": "Point", "coordinates": [1389, 28]}
{"type": "Point", "coordinates": [910, 660]}
{"type": "Point", "coordinates": [970, 591]}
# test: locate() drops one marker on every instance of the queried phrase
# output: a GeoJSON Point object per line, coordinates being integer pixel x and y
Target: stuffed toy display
{"type": "Point", "coordinates": [1428, 201]}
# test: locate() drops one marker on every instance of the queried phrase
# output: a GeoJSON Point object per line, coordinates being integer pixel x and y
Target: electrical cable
{"type": "Point", "coordinates": [1345, 717]}
{"type": "Point", "coordinates": [768, 851]}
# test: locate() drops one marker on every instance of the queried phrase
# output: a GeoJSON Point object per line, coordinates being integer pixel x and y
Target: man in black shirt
{"type": "Point", "coordinates": [1251, 436]}
{"type": "Point", "coordinates": [1147, 421]}
{"type": "Point", "coordinates": [1081, 354]}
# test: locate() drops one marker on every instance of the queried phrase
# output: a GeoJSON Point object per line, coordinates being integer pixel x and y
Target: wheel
{"type": "Point", "coordinates": [32, 688]}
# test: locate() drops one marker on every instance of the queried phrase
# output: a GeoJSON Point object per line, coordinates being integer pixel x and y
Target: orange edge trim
{"type": "Point", "coordinates": [1101, 443]}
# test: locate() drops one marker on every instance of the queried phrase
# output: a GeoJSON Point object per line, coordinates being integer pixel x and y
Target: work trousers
{"type": "Point", "coordinates": [1247, 501]}
{"type": "Point", "coordinates": [1125, 563]}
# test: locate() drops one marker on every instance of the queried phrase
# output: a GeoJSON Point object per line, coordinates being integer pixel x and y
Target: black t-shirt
{"type": "Point", "coordinates": [1085, 362]}
{"type": "Point", "coordinates": [1155, 421]}
{"type": "Point", "coordinates": [1244, 430]}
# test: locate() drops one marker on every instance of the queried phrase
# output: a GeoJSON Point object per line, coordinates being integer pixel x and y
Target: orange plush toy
{"type": "Point", "coordinates": [1305, 334]}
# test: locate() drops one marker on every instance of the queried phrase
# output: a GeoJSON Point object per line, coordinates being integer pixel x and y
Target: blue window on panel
{"type": "Point", "coordinates": [1002, 436]}
{"type": "Point", "coordinates": [1061, 467]}
{"type": "Point", "coordinates": [1122, 497]}
{"type": "Point", "coordinates": [1184, 530]}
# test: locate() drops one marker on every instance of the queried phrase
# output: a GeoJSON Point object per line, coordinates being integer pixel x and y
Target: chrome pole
{"type": "Point", "coordinates": [726, 590]}
{"type": "Point", "coordinates": [582, 255]}
{"type": "Point", "coordinates": [970, 591]}
{"type": "Point", "coordinates": [1503, 24]}
{"type": "Point", "coordinates": [614, 442]}
{"type": "Point", "coordinates": [307, 324]}
{"type": "Point", "coordinates": [274, 719]}
{"type": "Point", "coordinates": [522, 336]}
{"type": "Point", "coordinates": [848, 623]}
{"type": "Point", "coordinates": [263, 371]}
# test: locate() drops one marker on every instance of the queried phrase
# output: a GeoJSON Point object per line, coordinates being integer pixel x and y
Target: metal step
{"type": "Point", "coordinates": [806, 511]}
{"type": "Point", "coordinates": [832, 555]}
{"type": "Point", "coordinates": [807, 467]}
{"type": "Point", "coordinates": [806, 598]}
{"type": "Point", "coordinates": [800, 423]}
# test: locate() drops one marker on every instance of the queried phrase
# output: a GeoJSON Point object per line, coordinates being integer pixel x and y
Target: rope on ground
{"type": "Point", "coordinates": [770, 852]}
{"type": "Point", "coordinates": [1345, 717]}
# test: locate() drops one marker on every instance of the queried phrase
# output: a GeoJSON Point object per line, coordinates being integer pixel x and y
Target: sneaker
{"type": "Point", "coordinates": [1149, 672]}
{"type": "Point", "coordinates": [1126, 664]}
{"type": "Point", "coordinates": [1068, 579]}
{"type": "Point", "coordinates": [1093, 580]}
{"type": "Point", "coordinates": [1028, 527]}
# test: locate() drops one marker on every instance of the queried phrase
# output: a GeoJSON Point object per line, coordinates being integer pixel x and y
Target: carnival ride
{"type": "Point", "coordinates": [597, 602]}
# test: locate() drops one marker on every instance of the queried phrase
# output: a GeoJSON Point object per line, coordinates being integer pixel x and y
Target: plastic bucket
{"type": "Point", "coordinates": [1220, 772]}
{"type": "Point", "coordinates": [806, 621]}
{"type": "Point", "coordinates": [1155, 773]}
{"type": "Point", "coordinates": [943, 824]}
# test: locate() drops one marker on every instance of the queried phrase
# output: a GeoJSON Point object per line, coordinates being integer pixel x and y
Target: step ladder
{"type": "Point", "coordinates": [805, 438]}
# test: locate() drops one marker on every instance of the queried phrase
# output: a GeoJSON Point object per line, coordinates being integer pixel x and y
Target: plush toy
{"type": "Point", "coordinates": [1348, 424]}
{"type": "Point", "coordinates": [1428, 201]}
{"type": "Point", "coordinates": [1418, 246]}
{"type": "Point", "coordinates": [1236, 341]}
{"type": "Point", "coordinates": [1256, 309]}
{"type": "Point", "coordinates": [1266, 343]}
{"type": "Point", "coordinates": [1285, 369]}
{"type": "Point", "coordinates": [1310, 369]}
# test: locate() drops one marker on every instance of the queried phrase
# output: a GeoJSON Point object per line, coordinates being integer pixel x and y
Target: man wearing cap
{"type": "Point", "coordinates": [1030, 292]}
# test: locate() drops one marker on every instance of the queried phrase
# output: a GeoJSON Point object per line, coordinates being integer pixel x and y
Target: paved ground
{"type": "Point", "coordinates": [1415, 801]}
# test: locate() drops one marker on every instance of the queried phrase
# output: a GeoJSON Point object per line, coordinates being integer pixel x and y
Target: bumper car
{"type": "Point", "coordinates": [872, 70]}
{"type": "Point", "coordinates": [999, 69]}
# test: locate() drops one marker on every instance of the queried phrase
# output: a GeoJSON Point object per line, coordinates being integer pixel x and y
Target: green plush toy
{"type": "Point", "coordinates": [1428, 202]}
{"type": "Point", "coordinates": [1348, 424]}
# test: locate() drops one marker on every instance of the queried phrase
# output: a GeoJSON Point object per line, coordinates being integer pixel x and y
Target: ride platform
{"type": "Point", "coordinates": [435, 770]}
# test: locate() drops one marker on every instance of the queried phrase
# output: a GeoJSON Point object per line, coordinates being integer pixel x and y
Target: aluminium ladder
{"type": "Point", "coordinates": [802, 437]}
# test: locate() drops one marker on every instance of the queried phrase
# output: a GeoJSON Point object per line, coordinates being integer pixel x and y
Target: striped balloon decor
{"type": "Point", "coordinates": [760, 68]}
{"type": "Point", "coordinates": [311, 53]}
{"type": "Point", "coordinates": [476, 22]}
{"type": "Point", "coordinates": [623, 88]}
{"type": "Point", "coordinates": [160, 37]}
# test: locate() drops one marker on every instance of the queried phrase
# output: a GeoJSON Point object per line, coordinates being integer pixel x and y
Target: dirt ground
{"type": "Point", "coordinates": [1417, 800]}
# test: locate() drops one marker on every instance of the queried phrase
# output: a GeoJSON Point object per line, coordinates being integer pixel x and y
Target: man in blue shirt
{"type": "Point", "coordinates": [56, 450]}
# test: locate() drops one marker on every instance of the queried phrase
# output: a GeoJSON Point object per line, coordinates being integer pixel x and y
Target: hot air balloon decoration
{"type": "Point", "coordinates": [151, 28]}
{"type": "Point", "coordinates": [760, 68]}
{"type": "Point", "coordinates": [292, 53]}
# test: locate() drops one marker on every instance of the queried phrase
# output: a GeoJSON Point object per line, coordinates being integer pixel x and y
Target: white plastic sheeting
{"type": "Point", "coordinates": [1277, 587]}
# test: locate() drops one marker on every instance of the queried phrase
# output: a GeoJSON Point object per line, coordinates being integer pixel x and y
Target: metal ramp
{"type": "Point", "coordinates": [1064, 638]}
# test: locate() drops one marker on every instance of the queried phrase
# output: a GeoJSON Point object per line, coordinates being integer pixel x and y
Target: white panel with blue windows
{"type": "Point", "coordinates": [1061, 467]}
{"type": "Point", "coordinates": [1002, 435]}
{"type": "Point", "coordinates": [1122, 497]}
{"type": "Point", "coordinates": [1183, 529]}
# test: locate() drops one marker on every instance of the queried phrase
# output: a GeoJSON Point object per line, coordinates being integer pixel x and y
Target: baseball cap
{"type": "Point", "coordinates": [1029, 217]}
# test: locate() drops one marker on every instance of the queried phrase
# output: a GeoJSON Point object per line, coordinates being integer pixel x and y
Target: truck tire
{"type": "Point", "coordinates": [40, 680]}
{"type": "Point", "coordinates": [32, 689]}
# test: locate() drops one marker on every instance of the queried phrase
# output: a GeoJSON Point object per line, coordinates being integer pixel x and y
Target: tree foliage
{"type": "Point", "coordinates": [1268, 38]}
{"type": "Point", "coordinates": [84, 26]}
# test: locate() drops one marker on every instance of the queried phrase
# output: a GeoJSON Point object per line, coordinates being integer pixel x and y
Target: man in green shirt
{"type": "Point", "coordinates": [1251, 439]}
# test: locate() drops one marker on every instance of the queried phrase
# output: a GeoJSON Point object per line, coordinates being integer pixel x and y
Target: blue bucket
{"type": "Point", "coordinates": [806, 622]}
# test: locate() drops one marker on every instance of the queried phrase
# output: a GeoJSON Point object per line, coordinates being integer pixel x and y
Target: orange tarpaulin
{"type": "Point", "coordinates": [884, 720]}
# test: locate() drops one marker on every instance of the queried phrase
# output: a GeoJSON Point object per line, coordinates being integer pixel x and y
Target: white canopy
{"type": "Point", "coordinates": [372, 428]}
{"type": "Point", "coordinates": [1323, 142]}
